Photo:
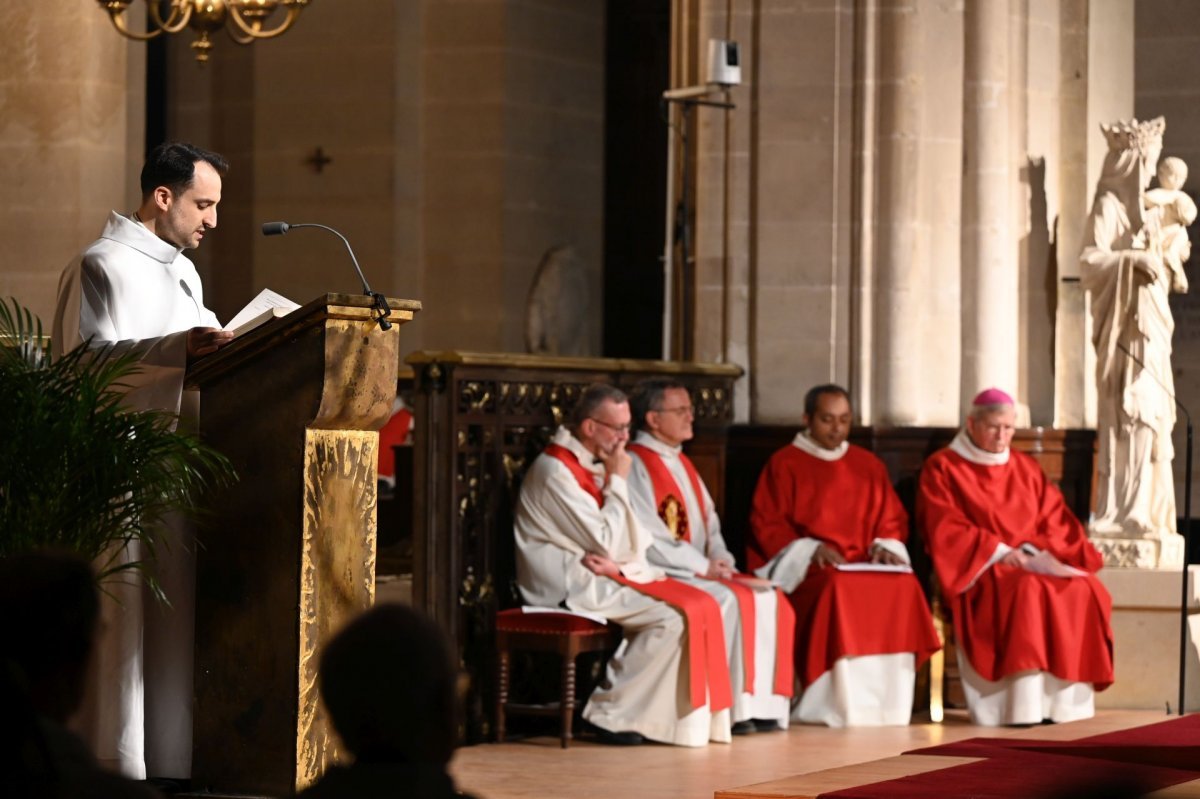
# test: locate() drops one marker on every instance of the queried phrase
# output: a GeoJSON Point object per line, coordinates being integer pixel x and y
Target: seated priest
{"type": "Point", "coordinates": [672, 502]}
{"type": "Point", "coordinates": [1031, 620]}
{"type": "Point", "coordinates": [826, 525]}
{"type": "Point", "coordinates": [581, 547]}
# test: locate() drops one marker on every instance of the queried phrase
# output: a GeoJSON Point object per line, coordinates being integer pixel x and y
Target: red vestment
{"type": "Point", "coordinates": [1011, 619]}
{"type": "Point", "coordinates": [846, 504]}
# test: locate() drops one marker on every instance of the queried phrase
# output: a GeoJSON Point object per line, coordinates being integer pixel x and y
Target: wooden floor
{"type": "Point", "coordinates": [539, 768]}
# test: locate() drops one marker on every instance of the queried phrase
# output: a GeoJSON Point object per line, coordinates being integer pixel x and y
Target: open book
{"type": "Point", "coordinates": [895, 568]}
{"type": "Point", "coordinates": [583, 614]}
{"type": "Point", "coordinates": [266, 306]}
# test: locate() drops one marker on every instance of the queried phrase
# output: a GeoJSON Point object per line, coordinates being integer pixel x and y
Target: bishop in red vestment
{"type": "Point", "coordinates": [1031, 619]}
{"type": "Point", "coordinates": [827, 526]}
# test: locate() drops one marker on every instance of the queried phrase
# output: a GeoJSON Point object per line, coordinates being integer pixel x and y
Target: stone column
{"type": "Point", "coordinates": [71, 128]}
{"type": "Point", "coordinates": [990, 282]}
{"type": "Point", "coordinates": [898, 379]}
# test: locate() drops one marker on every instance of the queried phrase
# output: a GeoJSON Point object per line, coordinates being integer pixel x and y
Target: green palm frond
{"type": "Point", "coordinates": [78, 470]}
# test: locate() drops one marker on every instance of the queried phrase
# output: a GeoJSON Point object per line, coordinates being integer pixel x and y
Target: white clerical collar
{"type": "Point", "coordinates": [964, 446]}
{"type": "Point", "coordinates": [804, 442]}
{"type": "Point", "coordinates": [661, 447]}
{"type": "Point", "coordinates": [124, 230]}
{"type": "Point", "coordinates": [565, 438]}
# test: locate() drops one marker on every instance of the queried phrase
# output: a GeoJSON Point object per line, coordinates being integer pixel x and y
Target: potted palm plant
{"type": "Point", "coordinates": [80, 472]}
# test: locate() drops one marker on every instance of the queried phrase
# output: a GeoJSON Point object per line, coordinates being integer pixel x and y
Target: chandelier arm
{"type": "Point", "coordinates": [181, 14]}
{"type": "Point", "coordinates": [237, 36]}
{"type": "Point", "coordinates": [118, 21]}
{"type": "Point", "coordinates": [257, 32]}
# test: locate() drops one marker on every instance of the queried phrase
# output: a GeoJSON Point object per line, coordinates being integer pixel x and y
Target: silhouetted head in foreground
{"type": "Point", "coordinates": [388, 682]}
{"type": "Point", "coordinates": [49, 631]}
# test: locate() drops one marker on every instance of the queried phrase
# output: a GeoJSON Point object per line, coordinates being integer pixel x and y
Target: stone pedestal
{"type": "Point", "coordinates": [1139, 553]}
{"type": "Point", "coordinates": [1146, 631]}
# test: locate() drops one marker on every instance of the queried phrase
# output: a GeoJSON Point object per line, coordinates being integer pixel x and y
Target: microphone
{"type": "Point", "coordinates": [188, 291]}
{"type": "Point", "coordinates": [378, 301]}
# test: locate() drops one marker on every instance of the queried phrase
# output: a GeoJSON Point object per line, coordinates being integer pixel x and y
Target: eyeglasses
{"type": "Point", "coordinates": [682, 410]}
{"type": "Point", "coordinates": [616, 428]}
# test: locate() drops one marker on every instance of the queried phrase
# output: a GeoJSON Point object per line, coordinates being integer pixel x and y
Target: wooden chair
{"type": "Point", "coordinates": [562, 633]}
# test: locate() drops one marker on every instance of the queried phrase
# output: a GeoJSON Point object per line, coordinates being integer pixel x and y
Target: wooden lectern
{"type": "Point", "coordinates": [288, 553]}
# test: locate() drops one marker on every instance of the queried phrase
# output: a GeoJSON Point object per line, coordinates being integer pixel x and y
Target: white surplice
{"type": "Point", "coordinates": [1028, 697]}
{"type": "Point", "coordinates": [139, 294]}
{"type": "Point", "coordinates": [685, 560]}
{"type": "Point", "coordinates": [645, 688]}
{"type": "Point", "coordinates": [860, 691]}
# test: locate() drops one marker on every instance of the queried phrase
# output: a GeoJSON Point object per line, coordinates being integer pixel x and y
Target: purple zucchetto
{"type": "Point", "coordinates": [992, 396]}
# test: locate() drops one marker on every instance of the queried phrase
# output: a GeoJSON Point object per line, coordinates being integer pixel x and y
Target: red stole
{"type": "Point", "coordinates": [708, 670]}
{"type": "Point", "coordinates": [585, 478]}
{"type": "Point", "coordinates": [669, 500]}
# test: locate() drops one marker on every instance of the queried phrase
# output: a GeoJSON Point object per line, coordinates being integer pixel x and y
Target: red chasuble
{"type": "Point", "coordinates": [1011, 619]}
{"type": "Point", "coordinates": [671, 506]}
{"type": "Point", "coordinates": [846, 504]}
{"type": "Point", "coordinates": [708, 670]}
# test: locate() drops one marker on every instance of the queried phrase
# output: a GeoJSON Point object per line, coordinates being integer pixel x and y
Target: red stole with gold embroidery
{"type": "Point", "coordinates": [671, 506]}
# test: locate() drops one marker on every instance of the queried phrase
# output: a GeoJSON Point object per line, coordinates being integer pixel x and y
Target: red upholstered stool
{"type": "Point", "coordinates": [563, 633]}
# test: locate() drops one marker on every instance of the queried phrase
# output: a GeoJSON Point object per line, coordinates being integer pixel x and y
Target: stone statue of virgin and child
{"type": "Point", "coordinates": [1135, 245]}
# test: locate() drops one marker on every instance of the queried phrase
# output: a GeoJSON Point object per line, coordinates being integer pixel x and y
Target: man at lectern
{"type": "Point", "coordinates": [134, 290]}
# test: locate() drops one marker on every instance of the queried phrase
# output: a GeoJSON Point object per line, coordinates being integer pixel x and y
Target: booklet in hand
{"type": "Point", "coordinates": [266, 306]}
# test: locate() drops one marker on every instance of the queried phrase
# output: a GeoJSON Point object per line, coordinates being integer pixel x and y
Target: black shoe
{"type": "Point", "coordinates": [743, 727]}
{"type": "Point", "coordinates": [169, 786]}
{"type": "Point", "coordinates": [766, 725]}
{"type": "Point", "coordinates": [624, 738]}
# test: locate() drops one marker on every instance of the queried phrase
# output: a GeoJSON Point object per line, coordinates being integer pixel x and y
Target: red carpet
{"type": "Point", "coordinates": [1125, 763]}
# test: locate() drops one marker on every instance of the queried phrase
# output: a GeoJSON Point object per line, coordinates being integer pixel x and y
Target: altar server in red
{"type": "Point", "coordinates": [672, 502]}
{"type": "Point", "coordinates": [827, 527]}
{"type": "Point", "coordinates": [1031, 619]}
{"type": "Point", "coordinates": [581, 547]}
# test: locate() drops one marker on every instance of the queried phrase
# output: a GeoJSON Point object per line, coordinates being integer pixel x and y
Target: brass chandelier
{"type": "Point", "coordinates": [243, 20]}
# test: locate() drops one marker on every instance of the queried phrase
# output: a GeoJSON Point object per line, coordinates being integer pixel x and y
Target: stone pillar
{"type": "Point", "coordinates": [723, 321]}
{"type": "Point", "coordinates": [71, 128]}
{"type": "Point", "coordinates": [898, 379]}
{"type": "Point", "coordinates": [1035, 163]}
{"type": "Point", "coordinates": [1074, 373]}
{"type": "Point", "coordinates": [1098, 72]}
{"type": "Point", "coordinates": [990, 281]}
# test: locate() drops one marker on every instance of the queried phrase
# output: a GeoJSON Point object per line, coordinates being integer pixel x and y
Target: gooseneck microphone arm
{"type": "Point", "coordinates": [378, 301]}
{"type": "Point", "coordinates": [1187, 528]}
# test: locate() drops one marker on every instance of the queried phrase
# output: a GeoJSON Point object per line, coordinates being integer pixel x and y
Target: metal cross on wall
{"type": "Point", "coordinates": [318, 160]}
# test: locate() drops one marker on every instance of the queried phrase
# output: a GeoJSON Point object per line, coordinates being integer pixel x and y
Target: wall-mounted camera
{"type": "Point", "coordinates": [724, 71]}
{"type": "Point", "coordinates": [724, 63]}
